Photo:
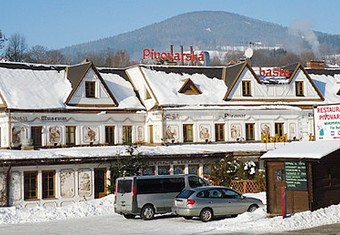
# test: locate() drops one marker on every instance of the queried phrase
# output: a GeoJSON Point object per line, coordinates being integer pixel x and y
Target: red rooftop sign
{"type": "Point", "coordinates": [274, 72]}
{"type": "Point", "coordinates": [156, 55]}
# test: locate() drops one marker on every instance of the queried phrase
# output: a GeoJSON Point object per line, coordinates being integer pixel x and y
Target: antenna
{"type": "Point", "coordinates": [249, 53]}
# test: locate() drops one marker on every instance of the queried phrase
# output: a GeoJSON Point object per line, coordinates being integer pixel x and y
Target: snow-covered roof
{"type": "Point", "coordinates": [31, 86]}
{"type": "Point", "coordinates": [107, 151]}
{"type": "Point", "coordinates": [329, 86]}
{"type": "Point", "coordinates": [34, 89]}
{"type": "Point", "coordinates": [304, 150]}
{"type": "Point", "coordinates": [166, 88]}
{"type": "Point", "coordinates": [122, 91]}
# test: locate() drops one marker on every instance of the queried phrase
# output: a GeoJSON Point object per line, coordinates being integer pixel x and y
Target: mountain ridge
{"type": "Point", "coordinates": [208, 30]}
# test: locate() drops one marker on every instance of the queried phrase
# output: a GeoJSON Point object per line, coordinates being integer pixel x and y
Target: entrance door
{"type": "Point", "coordinates": [100, 187]}
{"type": "Point", "coordinates": [276, 181]}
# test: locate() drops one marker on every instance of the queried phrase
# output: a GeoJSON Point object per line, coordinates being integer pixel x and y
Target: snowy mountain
{"type": "Point", "coordinates": [210, 30]}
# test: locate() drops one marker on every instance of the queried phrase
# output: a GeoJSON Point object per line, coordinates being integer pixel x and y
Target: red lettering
{"type": "Point", "coordinates": [276, 72]}
{"type": "Point", "coordinates": [287, 73]}
{"type": "Point", "coordinates": [262, 72]}
{"type": "Point", "coordinates": [146, 53]}
{"type": "Point", "coordinates": [164, 56]}
{"type": "Point", "coordinates": [155, 55]}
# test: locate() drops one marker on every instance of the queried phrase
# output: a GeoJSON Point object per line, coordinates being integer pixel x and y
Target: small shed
{"type": "Point", "coordinates": [309, 172]}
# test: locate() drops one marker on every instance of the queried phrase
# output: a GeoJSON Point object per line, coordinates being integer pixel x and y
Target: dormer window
{"type": "Point", "coordinates": [90, 89]}
{"type": "Point", "coordinates": [189, 88]}
{"type": "Point", "coordinates": [246, 89]}
{"type": "Point", "coordinates": [299, 88]}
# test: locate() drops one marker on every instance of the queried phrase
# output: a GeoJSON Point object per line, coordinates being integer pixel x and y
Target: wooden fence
{"type": "Point", "coordinates": [248, 186]}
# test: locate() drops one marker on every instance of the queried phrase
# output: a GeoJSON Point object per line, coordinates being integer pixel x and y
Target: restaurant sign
{"type": "Point", "coordinates": [327, 122]}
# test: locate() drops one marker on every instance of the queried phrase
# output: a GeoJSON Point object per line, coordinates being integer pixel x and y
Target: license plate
{"type": "Point", "coordinates": [179, 202]}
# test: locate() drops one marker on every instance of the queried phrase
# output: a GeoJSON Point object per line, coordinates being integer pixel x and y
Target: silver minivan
{"type": "Point", "coordinates": [150, 195]}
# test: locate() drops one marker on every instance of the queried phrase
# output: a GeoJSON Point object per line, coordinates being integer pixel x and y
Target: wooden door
{"type": "Point", "coordinates": [276, 180]}
{"type": "Point", "coordinates": [100, 187]}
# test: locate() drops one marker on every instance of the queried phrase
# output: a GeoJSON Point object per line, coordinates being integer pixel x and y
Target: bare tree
{"type": "Point", "coordinates": [16, 48]}
{"type": "Point", "coordinates": [2, 40]}
{"type": "Point", "coordinates": [120, 59]}
{"type": "Point", "coordinates": [55, 57]}
{"type": "Point", "coordinates": [37, 54]}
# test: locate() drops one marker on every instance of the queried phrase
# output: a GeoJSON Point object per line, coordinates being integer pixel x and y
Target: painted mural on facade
{"type": "Point", "coordinates": [90, 134]}
{"type": "Point", "coordinates": [54, 134]}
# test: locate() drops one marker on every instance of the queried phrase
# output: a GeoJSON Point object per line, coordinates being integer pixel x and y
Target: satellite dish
{"type": "Point", "coordinates": [248, 53]}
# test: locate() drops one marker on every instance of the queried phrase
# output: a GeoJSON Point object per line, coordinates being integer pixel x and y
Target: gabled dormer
{"type": "Point", "coordinates": [287, 84]}
{"type": "Point", "coordinates": [302, 86]}
{"type": "Point", "coordinates": [88, 87]}
{"type": "Point", "coordinates": [241, 81]}
{"type": "Point", "coordinates": [189, 88]}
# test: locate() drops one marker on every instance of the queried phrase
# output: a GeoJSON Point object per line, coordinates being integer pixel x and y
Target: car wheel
{"type": "Point", "coordinates": [252, 208]}
{"type": "Point", "coordinates": [187, 217]}
{"type": "Point", "coordinates": [129, 216]}
{"type": "Point", "coordinates": [148, 212]}
{"type": "Point", "coordinates": [206, 215]}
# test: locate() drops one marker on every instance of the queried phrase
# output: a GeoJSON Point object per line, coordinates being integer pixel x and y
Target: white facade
{"type": "Point", "coordinates": [18, 131]}
{"type": "Point", "coordinates": [297, 123]}
{"type": "Point", "coordinates": [72, 183]}
{"type": "Point", "coordinates": [84, 106]}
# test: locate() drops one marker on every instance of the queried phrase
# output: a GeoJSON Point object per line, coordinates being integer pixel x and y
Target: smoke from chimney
{"type": "Point", "coordinates": [303, 30]}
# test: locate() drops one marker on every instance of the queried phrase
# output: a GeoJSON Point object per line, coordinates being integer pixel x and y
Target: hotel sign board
{"type": "Point", "coordinates": [296, 177]}
{"type": "Point", "coordinates": [327, 122]}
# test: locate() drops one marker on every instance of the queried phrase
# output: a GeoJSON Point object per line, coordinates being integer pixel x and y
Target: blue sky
{"type": "Point", "coordinates": [58, 23]}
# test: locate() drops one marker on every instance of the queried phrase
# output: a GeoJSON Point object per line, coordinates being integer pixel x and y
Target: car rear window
{"type": "Point", "coordinates": [185, 193]}
{"type": "Point", "coordinates": [124, 186]}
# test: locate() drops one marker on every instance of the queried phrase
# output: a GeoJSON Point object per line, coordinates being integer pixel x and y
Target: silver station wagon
{"type": "Point", "coordinates": [209, 202]}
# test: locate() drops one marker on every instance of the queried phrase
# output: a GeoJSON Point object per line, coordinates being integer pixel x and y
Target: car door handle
{"type": "Point", "coordinates": [210, 202]}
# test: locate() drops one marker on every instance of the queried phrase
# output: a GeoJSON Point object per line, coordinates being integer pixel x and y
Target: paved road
{"type": "Point", "coordinates": [333, 229]}
{"type": "Point", "coordinates": [118, 226]}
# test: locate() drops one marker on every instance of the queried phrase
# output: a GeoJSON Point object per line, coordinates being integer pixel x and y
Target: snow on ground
{"type": "Point", "coordinates": [256, 222]}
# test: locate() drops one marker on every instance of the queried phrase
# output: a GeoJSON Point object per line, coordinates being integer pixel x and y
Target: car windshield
{"type": "Point", "coordinates": [195, 181]}
{"type": "Point", "coordinates": [185, 193]}
{"type": "Point", "coordinates": [228, 193]}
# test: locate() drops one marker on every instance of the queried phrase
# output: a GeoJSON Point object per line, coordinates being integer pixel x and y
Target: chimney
{"type": "Point", "coordinates": [172, 51]}
{"type": "Point", "coordinates": [182, 59]}
{"type": "Point", "coordinates": [192, 55]}
{"type": "Point", "coordinates": [316, 64]}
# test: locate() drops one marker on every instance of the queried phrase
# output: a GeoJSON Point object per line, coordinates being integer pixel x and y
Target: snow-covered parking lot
{"type": "Point", "coordinates": [97, 216]}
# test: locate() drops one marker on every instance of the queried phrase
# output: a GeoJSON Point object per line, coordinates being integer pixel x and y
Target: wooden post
{"type": "Point", "coordinates": [283, 202]}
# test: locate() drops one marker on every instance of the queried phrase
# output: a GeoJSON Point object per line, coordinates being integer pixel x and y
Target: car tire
{"type": "Point", "coordinates": [187, 217]}
{"type": "Point", "coordinates": [206, 215]}
{"type": "Point", "coordinates": [252, 208]}
{"type": "Point", "coordinates": [148, 212]}
{"type": "Point", "coordinates": [129, 216]}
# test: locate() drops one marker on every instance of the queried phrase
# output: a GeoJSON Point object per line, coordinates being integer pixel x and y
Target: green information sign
{"type": "Point", "coordinates": [296, 177]}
